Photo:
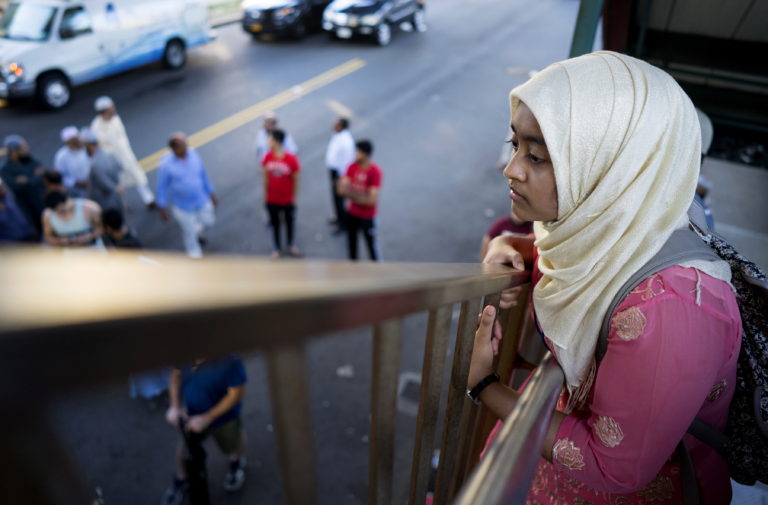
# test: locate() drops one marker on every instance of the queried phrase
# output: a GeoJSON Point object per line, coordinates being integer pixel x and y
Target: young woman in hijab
{"type": "Point", "coordinates": [605, 162]}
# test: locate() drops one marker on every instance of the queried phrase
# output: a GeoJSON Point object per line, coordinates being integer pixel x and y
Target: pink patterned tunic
{"type": "Point", "coordinates": [669, 359]}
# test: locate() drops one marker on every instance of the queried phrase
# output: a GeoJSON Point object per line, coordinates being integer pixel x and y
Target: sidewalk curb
{"type": "Point", "coordinates": [226, 21]}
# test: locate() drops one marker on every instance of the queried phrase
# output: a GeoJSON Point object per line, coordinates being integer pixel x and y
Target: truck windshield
{"type": "Point", "coordinates": [27, 21]}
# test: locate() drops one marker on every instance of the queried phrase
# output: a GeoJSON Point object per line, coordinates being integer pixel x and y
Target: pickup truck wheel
{"type": "Point", "coordinates": [175, 54]}
{"type": "Point", "coordinates": [53, 91]}
{"type": "Point", "coordinates": [383, 34]}
{"type": "Point", "coordinates": [418, 20]}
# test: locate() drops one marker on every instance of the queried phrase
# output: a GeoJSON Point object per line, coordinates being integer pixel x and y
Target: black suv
{"type": "Point", "coordinates": [292, 18]}
{"type": "Point", "coordinates": [374, 18]}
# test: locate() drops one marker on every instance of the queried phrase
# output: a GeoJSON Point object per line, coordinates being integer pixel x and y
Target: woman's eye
{"type": "Point", "coordinates": [514, 144]}
{"type": "Point", "coordinates": [534, 158]}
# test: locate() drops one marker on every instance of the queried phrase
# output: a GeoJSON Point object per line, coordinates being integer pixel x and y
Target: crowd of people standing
{"type": "Point", "coordinates": [78, 200]}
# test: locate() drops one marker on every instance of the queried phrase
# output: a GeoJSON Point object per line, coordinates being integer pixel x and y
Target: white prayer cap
{"type": "Point", "coordinates": [87, 136]}
{"type": "Point", "coordinates": [69, 133]}
{"type": "Point", "coordinates": [103, 103]}
{"type": "Point", "coordinates": [707, 131]}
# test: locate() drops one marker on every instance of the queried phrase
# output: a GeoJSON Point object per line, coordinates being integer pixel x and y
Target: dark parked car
{"type": "Point", "coordinates": [373, 18]}
{"type": "Point", "coordinates": [293, 18]}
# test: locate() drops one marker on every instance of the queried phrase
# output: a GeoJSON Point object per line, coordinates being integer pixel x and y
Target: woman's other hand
{"type": "Point", "coordinates": [512, 251]}
{"type": "Point", "coordinates": [487, 342]}
{"type": "Point", "coordinates": [503, 250]}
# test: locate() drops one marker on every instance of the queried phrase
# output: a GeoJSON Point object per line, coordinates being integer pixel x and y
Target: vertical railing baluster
{"type": "Point", "coordinates": [512, 321]}
{"type": "Point", "coordinates": [483, 420]}
{"type": "Point", "coordinates": [438, 332]}
{"type": "Point", "coordinates": [384, 381]}
{"type": "Point", "coordinates": [457, 401]}
{"type": "Point", "coordinates": [289, 391]}
{"type": "Point", "coordinates": [479, 418]}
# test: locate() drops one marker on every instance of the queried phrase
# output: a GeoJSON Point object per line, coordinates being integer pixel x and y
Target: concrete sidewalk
{"type": "Point", "coordinates": [739, 204]}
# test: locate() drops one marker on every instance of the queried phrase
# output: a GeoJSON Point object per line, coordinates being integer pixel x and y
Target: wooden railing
{"type": "Point", "coordinates": [73, 320]}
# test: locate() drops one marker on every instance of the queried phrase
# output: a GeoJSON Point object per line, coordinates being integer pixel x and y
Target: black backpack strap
{"type": "Point", "coordinates": [682, 246]}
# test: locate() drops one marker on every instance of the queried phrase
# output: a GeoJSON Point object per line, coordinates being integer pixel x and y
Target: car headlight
{"type": "Point", "coordinates": [341, 18]}
{"type": "Point", "coordinates": [370, 19]}
{"type": "Point", "coordinates": [13, 72]}
{"type": "Point", "coordinates": [285, 12]}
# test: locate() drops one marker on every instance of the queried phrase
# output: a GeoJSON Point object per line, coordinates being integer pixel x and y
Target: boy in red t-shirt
{"type": "Point", "coordinates": [281, 183]}
{"type": "Point", "coordinates": [361, 186]}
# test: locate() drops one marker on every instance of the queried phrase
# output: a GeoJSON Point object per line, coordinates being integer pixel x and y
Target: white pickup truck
{"type": "Point", "coordinates": [48, 46]}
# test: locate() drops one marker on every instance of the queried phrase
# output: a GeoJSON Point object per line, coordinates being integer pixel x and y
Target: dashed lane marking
{"type": "Point", "coordinates": [340, 108]}
{"type": "Point", "coordinates": [253, 112]}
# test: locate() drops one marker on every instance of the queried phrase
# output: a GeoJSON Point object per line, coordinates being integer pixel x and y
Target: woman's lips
{"type": "Point", "coordinates": [516, 197]}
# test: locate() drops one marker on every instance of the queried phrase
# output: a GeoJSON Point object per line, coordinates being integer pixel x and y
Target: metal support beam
{"type": "Point", "coordinates": [586, 27]}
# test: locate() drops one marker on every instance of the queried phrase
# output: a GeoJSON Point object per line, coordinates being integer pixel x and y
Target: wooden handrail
{"type": "Point", "coordinates": [70, 319]}
{"type": "Point", "coordinates": [91, 312]}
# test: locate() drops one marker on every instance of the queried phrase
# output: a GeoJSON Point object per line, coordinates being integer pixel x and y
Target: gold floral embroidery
{"type": "Point", "coordinates": [650, 288]}
{"type": "Point", "coordinates": [608, 431]}
{"type": "Point", "coordinates": [581, 501]}
{"type": "Point", "coordinates": [717, 390]}
{"type": "Point", "coordinates": [659, 489]}
{"type": "Point", "coordinates": [629, 324]}
{"type": "Point", "coordinates": [568, 455]}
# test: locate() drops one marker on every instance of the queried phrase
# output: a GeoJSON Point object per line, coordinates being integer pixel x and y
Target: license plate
{"type": "Point", "coordinates": [344, 33]}
{"type": "Point", "coordinates": [255, 27]}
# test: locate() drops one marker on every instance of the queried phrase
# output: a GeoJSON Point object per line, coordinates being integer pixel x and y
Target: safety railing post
{"type": "Point", "coordinates": [438, 331]}
{"type": "Point", "coordinates": [479, 418]}
{"type": "Point", "coordinates": [384, 378]}
{"type": "Point", "coordinates": [289, 392]}
{"type": "Point", "coordinates": [453, 430]}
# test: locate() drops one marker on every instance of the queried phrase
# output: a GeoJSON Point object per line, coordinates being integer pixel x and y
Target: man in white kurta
{"type": "Point", "coordinates": [110, 131]}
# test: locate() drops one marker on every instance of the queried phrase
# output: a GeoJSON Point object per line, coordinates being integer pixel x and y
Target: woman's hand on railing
{"type": "Point", "coordinates": [504, 250]}
{"type": "Point", "coordinates": [512, 251]}
{"type": "Point", "coordinates": [486, 346]}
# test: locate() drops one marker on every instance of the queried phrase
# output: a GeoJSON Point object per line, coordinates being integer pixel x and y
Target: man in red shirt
{"type": "Point", "coordinates": [508, 225]}
{"type": "Point", "coordinates": [281, 183]}
{"type": "Point", "coordinates": [361, 185]}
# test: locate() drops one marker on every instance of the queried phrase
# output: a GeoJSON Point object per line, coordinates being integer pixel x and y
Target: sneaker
{"type": "Point", "coordinates": [235, 477]}
{"type": "Point", "coordinates": [174, 495]}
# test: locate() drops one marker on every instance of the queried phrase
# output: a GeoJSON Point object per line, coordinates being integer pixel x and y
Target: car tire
{"type": "Point", "coordinates": [175, 54]}
{"type": "Point", "coordinates": [418, 20]}
{"type": "Point", "coordinates": [383, 35]}
{"type": "Point", "coordinates": [300, 31]}
{"type": "Point", "coordinates": [53, 91]}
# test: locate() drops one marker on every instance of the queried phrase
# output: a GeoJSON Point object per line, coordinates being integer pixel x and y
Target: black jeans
{"type": "Point", "coordinates": [368, 227]}
{"type": "Point", "coordinates": [337, 199]}
{"type": "Point", "coordinates": [287, 211]}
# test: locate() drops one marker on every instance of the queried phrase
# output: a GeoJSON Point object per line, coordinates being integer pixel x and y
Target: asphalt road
{"type": "Point", "coordinates": [435, 106]}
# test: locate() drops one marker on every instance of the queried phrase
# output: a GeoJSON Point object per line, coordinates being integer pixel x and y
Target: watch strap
{"type": "Point", "coordinates": [474, 393]}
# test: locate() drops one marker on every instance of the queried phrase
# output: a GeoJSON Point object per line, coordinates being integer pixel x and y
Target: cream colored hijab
{"type": "Point", "coordinates": [624, 141]}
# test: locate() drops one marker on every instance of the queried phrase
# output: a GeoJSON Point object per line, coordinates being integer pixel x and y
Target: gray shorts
{"type": "Point", "coordinates": [230, 436]}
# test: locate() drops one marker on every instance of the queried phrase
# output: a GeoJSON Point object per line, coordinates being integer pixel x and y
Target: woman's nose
{"type": "Point", "coordinates": [513, 170]}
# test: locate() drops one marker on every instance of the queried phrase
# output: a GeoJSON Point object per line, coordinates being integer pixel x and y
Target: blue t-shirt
{"type": "Point", "coordinates": [204, 386]}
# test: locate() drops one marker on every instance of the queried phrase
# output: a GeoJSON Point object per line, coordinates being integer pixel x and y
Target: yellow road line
{"type": "Point", "coordinates": [340, 109]}
{"type": "Point", "coordinates": [253, 112]}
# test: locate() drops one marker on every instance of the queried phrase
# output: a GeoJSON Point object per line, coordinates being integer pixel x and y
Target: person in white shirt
{"type": "Point", "coordinates": [339, 155]}
{"type": "Point", "coordinates": [262, 138]}
{"type": "Point", "coordinates": [72, 162]}
{"type": "Point", "coordinates": [110, 131]}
